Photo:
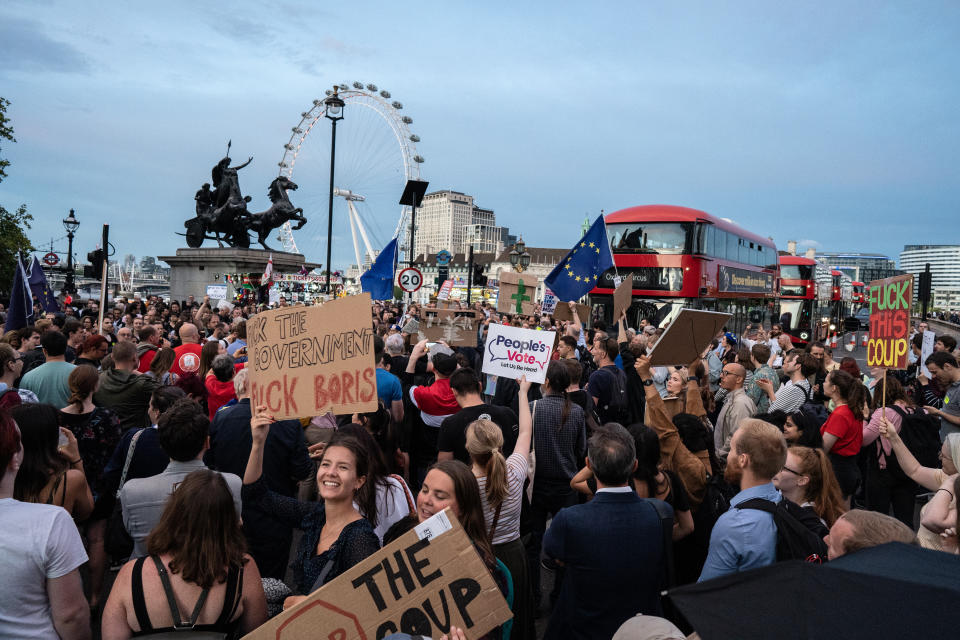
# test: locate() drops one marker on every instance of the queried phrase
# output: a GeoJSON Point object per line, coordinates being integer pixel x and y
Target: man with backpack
{"type": "Point", "coordinates": [761, 526]}
{"type": "Point", "coordinates": [608, 384]}
{"type": "Point", "coordinates": [794, 393]}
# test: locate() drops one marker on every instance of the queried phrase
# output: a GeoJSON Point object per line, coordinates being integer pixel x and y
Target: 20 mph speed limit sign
{"type": "Point", "coordinates": [410, 279]}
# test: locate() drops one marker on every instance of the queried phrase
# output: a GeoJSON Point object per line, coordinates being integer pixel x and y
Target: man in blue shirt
{"type": "Point", "coordinates": [389, 388]}
{"type": "Point", "coordinates": [747, 538]}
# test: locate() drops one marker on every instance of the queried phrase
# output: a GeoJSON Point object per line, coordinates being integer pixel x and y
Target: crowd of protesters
{"type": "Point", "coordinates": [130, 445]}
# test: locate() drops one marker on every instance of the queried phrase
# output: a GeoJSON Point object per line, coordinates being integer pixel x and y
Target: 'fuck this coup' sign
{"type": "Point", "coordinates": [513, 352]}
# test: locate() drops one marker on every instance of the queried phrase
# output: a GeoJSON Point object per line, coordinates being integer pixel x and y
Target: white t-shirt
{"type": "Point", "coordinates": [37, 542]}
{"type": "Point", "coordinates": [392, 504]}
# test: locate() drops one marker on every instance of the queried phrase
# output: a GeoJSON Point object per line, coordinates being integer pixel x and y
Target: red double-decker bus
{"type": "Point", "coordinates": [799, 299]}
{"type": "Point", "coordinates": [684, 258]}
{"type": "Point", "coordinates": [859, 290]}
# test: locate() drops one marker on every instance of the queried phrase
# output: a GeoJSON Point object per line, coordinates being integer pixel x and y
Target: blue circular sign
{"type": "Point", "coordinates": [443, 258]}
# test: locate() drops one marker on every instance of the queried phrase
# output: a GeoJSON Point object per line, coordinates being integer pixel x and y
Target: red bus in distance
{"type": "Point", "coordinates": [685, 258]}
{"type": "Point", "coordinates": [799, 299]}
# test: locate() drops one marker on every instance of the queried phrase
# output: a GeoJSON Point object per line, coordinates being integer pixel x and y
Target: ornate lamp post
{"type": "Point", "coordinates": [70, 223]}
{"type": "Point", "coordinates": [334, 112]}
{"type": "Point", "coordinates": [519, 258]}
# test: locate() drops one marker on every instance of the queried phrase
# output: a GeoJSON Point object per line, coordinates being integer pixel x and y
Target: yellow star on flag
{"type": "Point", "coordinates": [597, 249]}
{"type": "Point", "coordinates": [578, 278]}
{"type": "Point", "coordinates": [582, 244]}
{"type": "Point", "coordinates": [591, 244]}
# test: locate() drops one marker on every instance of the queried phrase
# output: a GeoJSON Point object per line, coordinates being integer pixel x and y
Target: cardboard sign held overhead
{"type": "Point", "coordinates": [562, 312]}
{"type": "Point", "coordinates": [305, 361]}
{"type": "Point", "coordinates": [517, 293]}
{"type": "Point", "coordinates": [890, 301]}
{"type": "Point", "coordinates": [456, 327]}
{"type": "Point", "coordinates": [622, 297]}
{"type": "Point", "coordinates": [513, 352]}
{"type": "Point", "coordinates": [425, 581]}
{"type": "Point", "coordinates": [687, 337]}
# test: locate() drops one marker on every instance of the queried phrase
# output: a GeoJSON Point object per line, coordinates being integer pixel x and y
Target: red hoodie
{"type": "Point", "coordinates": [435, 402]}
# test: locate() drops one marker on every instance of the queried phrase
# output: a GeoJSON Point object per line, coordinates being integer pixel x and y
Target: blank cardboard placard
{"type": "Point", "coordinates": [305, 361]}
{"type": "Point", "coordinates": [456, 327]}
{"type": "Point", "coordinates": [562, 312]}
{"type": "Point", "coordinates": [622, 296]}
{"type": "Point", "coordinates": [423, 582]}
{"type": "Point", "coordinates": [687, 337]}
{"type": "Point", "coordinates": [517, 293]}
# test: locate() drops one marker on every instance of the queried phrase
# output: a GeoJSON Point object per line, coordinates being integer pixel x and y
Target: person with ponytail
{"type": "Point", "coordinates": [501, 494]}
{"type": "Point", "coordinates": [843, 431]}
{"type": "Point", "coordinates": [807, 479]}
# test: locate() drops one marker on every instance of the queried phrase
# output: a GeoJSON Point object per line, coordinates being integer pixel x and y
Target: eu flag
{"type": "Point", "coordinates": [578, 272]}
{"type": "Point", "coordinates": [40, 289]}
{"type": "Point", "coordinates": [378, 281]}
{"type": "Point", "coordinates": [20, 312]}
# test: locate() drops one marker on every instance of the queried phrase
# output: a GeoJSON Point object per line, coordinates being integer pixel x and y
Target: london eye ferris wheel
{"type": "Point", "coordinates": [375, 155]}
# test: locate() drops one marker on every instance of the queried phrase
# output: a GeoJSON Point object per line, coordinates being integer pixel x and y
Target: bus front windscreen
{"type": "Point", "coordinates": [796, 272]}
{"type": "Point", "coordinates": [649, 237]}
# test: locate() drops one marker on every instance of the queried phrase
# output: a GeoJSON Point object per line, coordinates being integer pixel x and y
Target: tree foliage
{"type": "Point", "coordinates": [13, 241]}
{"type": "Point", "coordinates": [6, 133]}
{"type": "Point", "coordinates": [13, 225]}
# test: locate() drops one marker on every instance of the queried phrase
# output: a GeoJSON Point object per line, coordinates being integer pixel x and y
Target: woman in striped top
{"type": "Point", "coordinates": [501, 491]}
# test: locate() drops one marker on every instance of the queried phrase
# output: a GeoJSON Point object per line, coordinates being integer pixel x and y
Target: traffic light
{"type": "Point", "coordinates": [95, 268]}
{"type": "Point", "coordinates": [923, 292]}
{"type": "Point", "coordinates": [479, 280]}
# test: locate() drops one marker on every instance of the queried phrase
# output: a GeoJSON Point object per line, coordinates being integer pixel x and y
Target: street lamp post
{"type": "Point", "coordinates": [334, 111]}
{"type": "Point", "coordinates": [70, 223]}
{"type": "Point", "coordinates": [519, 258]}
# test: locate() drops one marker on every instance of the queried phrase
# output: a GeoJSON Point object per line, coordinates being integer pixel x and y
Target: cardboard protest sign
{"type": "Point", "coordinates": [217, 291]}
{"type": "Point", "coordinates": [513, 352]}
{"type": "Point", "coordinates": [926, 350]}
{"type": "Point", "coordinates": [445, 290]}
{"type": "Point", "coordinates": [517, 293]}
{"type": "Point", "coordinates": [562, 312]}
{"type": "Point", "coordinates": [305, 361]}
{"type": "Point", "coordinates": [890, 301]}
{"type": "Point", "coordinates": [422, 583]}
{"type": "Point", "coordinates": [549, 301]}
{"type": "Point", "coordinates": [622, 297]}
{"type": "Point", "coordinates": [687, 336]}
{"type": "Point", "coordinates": [456, 327]}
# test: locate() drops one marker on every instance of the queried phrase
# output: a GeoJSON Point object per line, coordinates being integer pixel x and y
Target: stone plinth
{"type": "Point", "coordinates": [191, 270]}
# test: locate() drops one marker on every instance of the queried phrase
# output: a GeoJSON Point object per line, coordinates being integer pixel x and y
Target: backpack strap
{"type": "Point", "coordinates": [900, 412]}
{"type": "Point", "coordinates": [178, 622]}
{"type": "Point", "coordinates": [759, 504]}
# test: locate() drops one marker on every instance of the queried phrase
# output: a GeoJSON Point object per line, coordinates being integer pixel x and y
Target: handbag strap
{"type": "Point", "coordinates": [126, 463]}
{"type": "Point", "coordinates": [496, 519]}
{"type": "Point", "coordinates": [172, 602]}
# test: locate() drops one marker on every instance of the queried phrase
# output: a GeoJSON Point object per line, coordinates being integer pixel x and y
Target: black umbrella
{"type": "Point", "coordinates": [891, 591]}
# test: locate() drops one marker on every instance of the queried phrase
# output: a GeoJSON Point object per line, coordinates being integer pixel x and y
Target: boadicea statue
{"type": "Point", "coordinates": [222, 212]}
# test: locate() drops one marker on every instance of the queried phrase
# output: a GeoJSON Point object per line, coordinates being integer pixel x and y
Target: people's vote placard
{"type": "Point", "coordinates": [513, 352]}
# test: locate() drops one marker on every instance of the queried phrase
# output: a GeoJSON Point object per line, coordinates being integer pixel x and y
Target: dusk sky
{"type": "Point", "coordinates": [831, 123]}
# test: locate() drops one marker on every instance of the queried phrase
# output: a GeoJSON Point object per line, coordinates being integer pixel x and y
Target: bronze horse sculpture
{"type": "Point", "coordinates": [281, 211]}
{"type": "Point", "coordinates": [222, 212]}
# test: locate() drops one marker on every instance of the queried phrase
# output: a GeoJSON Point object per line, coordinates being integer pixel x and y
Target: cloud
{"type": "Point", "coordinates": [24, 46]}
{"type": "Point", "coordinates": [809, 243]}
